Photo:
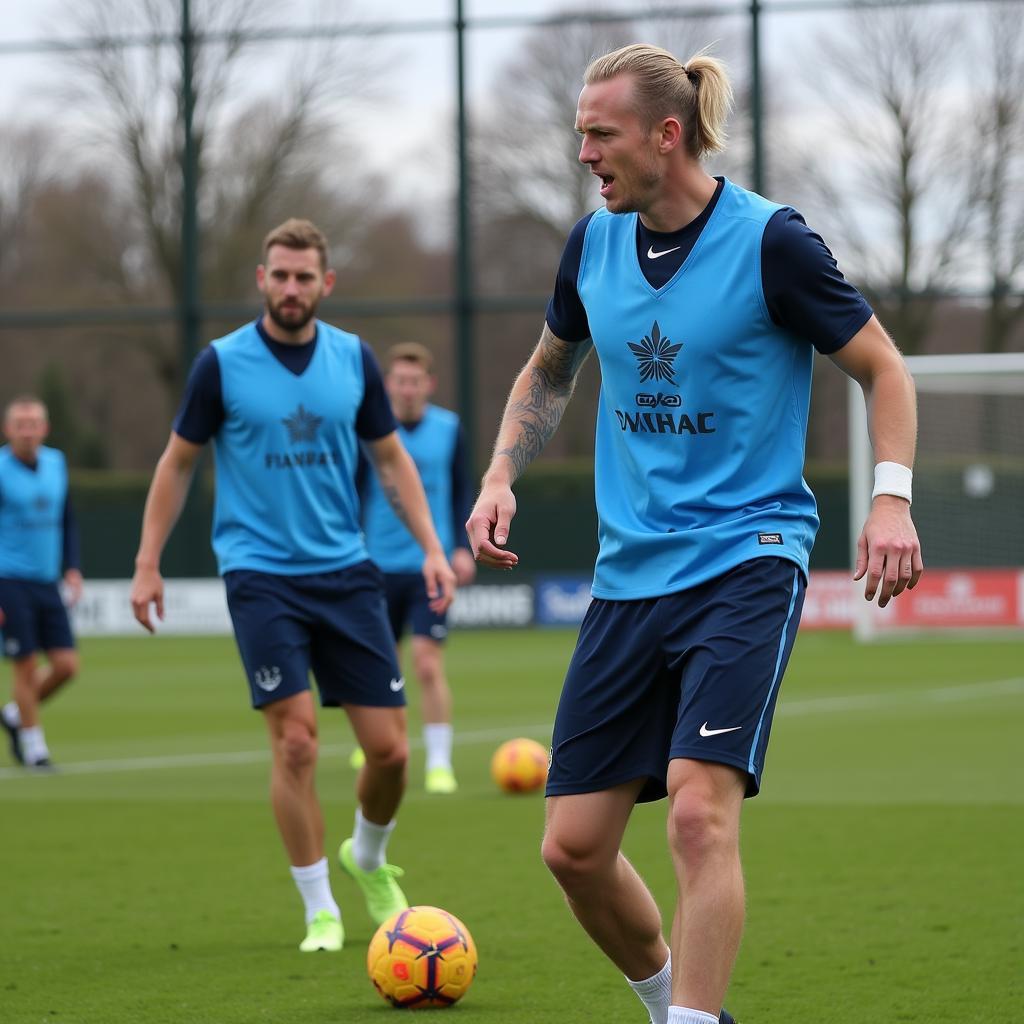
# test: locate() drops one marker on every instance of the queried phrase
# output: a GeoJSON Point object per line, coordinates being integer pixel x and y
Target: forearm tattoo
{"type": "Point", "coordinates": [395, 501]}
{"type": "Point", "coordinates": [550, 378]}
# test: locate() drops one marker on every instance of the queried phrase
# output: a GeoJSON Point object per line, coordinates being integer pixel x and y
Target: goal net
{"type": "Point", "coordinates": [968, 497]}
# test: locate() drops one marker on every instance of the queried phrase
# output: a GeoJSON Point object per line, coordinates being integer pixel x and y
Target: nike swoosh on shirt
{"type": "Point", "coordinates": [652, 255]}
{"type": "Point", "coordinates": [705, 731]}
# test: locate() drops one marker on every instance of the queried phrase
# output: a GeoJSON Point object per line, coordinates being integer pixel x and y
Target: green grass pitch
{"type": "Point", "coordinates": [146, 883]}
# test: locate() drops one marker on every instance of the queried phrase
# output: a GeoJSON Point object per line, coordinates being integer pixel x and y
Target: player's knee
{"type": "Point", "coordinates": [697, 825]}
{"type": "Point", "coordinates": [388, 754]}
{"type": "Point", "coordinates": [65, 666]}
{"type": "Point", "coordinates": [69, 667]}
{"type": "Point", "coordinates": [297, 747]}
{"type": "Point", "coordinates": [569, 859]}
{"type": "Point", "coordinates": [428, 670]}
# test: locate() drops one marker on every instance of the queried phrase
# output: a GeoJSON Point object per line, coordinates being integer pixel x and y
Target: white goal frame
{"type": "Point", "coordinates": [989, 374]}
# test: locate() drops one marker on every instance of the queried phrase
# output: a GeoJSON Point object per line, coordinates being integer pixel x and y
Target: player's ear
{"type": "Point", "coordinates": [261, 276]}
{"type": "Point", "coordinates": [329, 278]}
{"type": "Point", "coordinates": [431, 384]}
{"type": "Point", "coordinates": [671, 134]}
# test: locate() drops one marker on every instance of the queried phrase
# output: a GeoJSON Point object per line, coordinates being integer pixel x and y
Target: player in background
{"type": "Point", "coordinates": [286, 400]}
{"type": "Point", "coordinates": [38, 550]}
{"type": "Point", "coordinates": [705, 303]}
{"type": "Point", "coordinates": [433, 437]}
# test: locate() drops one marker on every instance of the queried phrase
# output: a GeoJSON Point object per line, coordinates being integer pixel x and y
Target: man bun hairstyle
{"type": "Point", "coordinates": [698, 92]}
{"type": "Point", "coordinates": [296, 233]}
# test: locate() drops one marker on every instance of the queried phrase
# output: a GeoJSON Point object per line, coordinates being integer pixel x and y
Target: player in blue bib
{"type": "Point", "coordinates": [287, 401]}
{"type": "Point", "coordinates": [433, 437]}
{"type": "Point", "coordinates": [38, 551]}
{"type": "Point", "coordinates": [704, 303]}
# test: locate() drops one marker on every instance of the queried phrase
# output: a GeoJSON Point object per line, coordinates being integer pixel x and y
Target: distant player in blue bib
{"type": "Point", "coordinates": [704, 303]}
{"type": "Point", "coordinates": [287, 400]}
{"type": "Point", "coordinates": [38, 551]}
{"type": "Point", "coordinates": [433, 437]}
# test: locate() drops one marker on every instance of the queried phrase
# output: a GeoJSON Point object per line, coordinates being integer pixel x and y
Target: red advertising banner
{"type": "Point", "coordinates": [959, 597]}
{"type": "Point", "coordinates": [944, 599]}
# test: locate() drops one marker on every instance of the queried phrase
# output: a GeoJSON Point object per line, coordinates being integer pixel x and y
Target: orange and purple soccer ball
{"type": "Point", "coordinates": [520, 765]}
{"type": "Point", "coordinates": [422, 958]}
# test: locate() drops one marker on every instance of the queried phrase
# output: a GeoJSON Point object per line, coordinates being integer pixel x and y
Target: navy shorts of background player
{"type": "Point", "coordinates": [333, 624]}
{"type": "Point", "coordinates": [35, 618]}
{"type": "Point", "coordinates": [409, 607]}
{"type": "Point", "coordinates": [706, 338]}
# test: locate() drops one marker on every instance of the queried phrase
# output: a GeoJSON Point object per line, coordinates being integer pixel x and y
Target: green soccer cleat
{"type": "Point", "coordinates": [383, 895]}
{"type": "Point", "coordinates": [441, 780]}
{"type": "Point", "coordinates": [324, 933]}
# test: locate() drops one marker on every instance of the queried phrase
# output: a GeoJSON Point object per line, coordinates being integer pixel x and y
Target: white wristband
{"type": "Point", "coordinates": [892, 478]}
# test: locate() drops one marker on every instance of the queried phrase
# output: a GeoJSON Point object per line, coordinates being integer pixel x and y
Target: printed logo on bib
{"type": "Point", "coordinates": [656, 356]}
{"type": "Point", "coordinates": [770, 538]}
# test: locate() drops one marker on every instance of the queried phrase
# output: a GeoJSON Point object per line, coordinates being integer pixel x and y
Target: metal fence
{"type": "Point", "coordinates": [462, 301]}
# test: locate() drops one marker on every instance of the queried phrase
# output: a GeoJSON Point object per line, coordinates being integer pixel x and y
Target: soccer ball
{"type": "Point", "coordinates": [520, 765]}
{"type": "Point", "coordinates": [422, 957]}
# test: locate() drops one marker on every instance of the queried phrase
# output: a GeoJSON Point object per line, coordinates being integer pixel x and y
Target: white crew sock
{"type": "Point", "coordinates": [370, 842]}
{"type": "Point", "coordinates": [315, 889]}
{"type": "Point", "coordinates": [684, 1015]}
{"type": "Point", "coordinates": [655, 993]}
{"type": "Point", "coordinates": [33, 744]}
{"type": "Point", "coordinates": [12, 716]}
{"type": "Point", "coordinates": [437, 738]}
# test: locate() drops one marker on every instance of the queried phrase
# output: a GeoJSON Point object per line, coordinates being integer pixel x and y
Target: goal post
{"type": "Point", "coordinates": [968, 497]}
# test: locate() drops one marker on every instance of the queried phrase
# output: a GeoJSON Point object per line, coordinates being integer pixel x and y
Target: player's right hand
{"type": "Point", "coordinates": [147, 589]}
{"type": "Point", "coordinates": [488, 527]}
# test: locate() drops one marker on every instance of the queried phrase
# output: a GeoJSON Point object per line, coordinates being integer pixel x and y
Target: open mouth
{"type": "Point", "coordinates": [606, 183]}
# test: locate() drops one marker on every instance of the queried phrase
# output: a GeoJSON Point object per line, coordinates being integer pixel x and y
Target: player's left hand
{"type": "Point", "coordinates": [73, 586]}
{"type": "Point", "coordinates": [464, 565]}
{"type": "Point", "coordinates": [888, 551]}
{"type": "Point", "coordinates": [440, 580]}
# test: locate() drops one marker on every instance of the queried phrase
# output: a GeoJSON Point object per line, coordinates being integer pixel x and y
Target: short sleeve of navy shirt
{"type": "Point", "coordinates": [804, 289]}
{"type": "Point", "coordinates": [201, 412]}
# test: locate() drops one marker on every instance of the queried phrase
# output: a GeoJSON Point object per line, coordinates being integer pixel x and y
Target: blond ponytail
{"type": "Point", "coordinates": [698, 92]}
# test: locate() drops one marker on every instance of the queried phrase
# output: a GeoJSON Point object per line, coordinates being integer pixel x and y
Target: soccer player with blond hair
{"type": "Point", "coordinates": [705, 303]}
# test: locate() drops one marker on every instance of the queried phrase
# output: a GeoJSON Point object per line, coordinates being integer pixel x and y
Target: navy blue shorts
{"type": "Point", "coordinates": [694, 675]}
{"type": "Point", "coordinates": [408, 605]}
{"type": "Point", "coordinates": [334, 623]}
{"type": "Point", "coordinates": [35, 618]}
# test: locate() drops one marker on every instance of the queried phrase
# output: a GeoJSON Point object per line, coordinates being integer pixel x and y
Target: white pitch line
{"type": "Point", "coordinates": [131, 764]}
{"type": "Point", "coordinates": [871, 701]}
{"type": "Point", "coordinates": [808, 706]}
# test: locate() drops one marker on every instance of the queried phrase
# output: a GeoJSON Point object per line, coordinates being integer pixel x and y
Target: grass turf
{"type": "Point", "coordinates": [146, 883]}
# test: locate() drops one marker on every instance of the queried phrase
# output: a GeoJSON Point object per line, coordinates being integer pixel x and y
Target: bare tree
{"type": "Point", "coordinates": [886, 172]}
{"type": "Point", "coordinates": [998, 153]}
{"type": "Point", "coordinates": [264, 129]}
{"type": "Point", "coordinates": [28, 165]}
{"type": "Point", "coordinates": [526, 152]}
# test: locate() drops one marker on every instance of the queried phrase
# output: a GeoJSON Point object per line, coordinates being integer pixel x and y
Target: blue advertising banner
{"type": "Point", "coordinates": [562, 600]}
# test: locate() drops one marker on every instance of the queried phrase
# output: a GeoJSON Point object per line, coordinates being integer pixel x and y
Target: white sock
{"type": "Point", "coordinates": [437, 738]}
{"type": "Point", "coordinates": [33, 744]}
{"type": "Point", "coordinates": [12, 716]}
{"type": "Point", "coordinates": [370, 842]}
{"type": "Point", "coordinates": [684, 1015]}
{"type": "Point", "coordinates": [655, 993]}
{"type": "Point", "coordinates": [315, 889]}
